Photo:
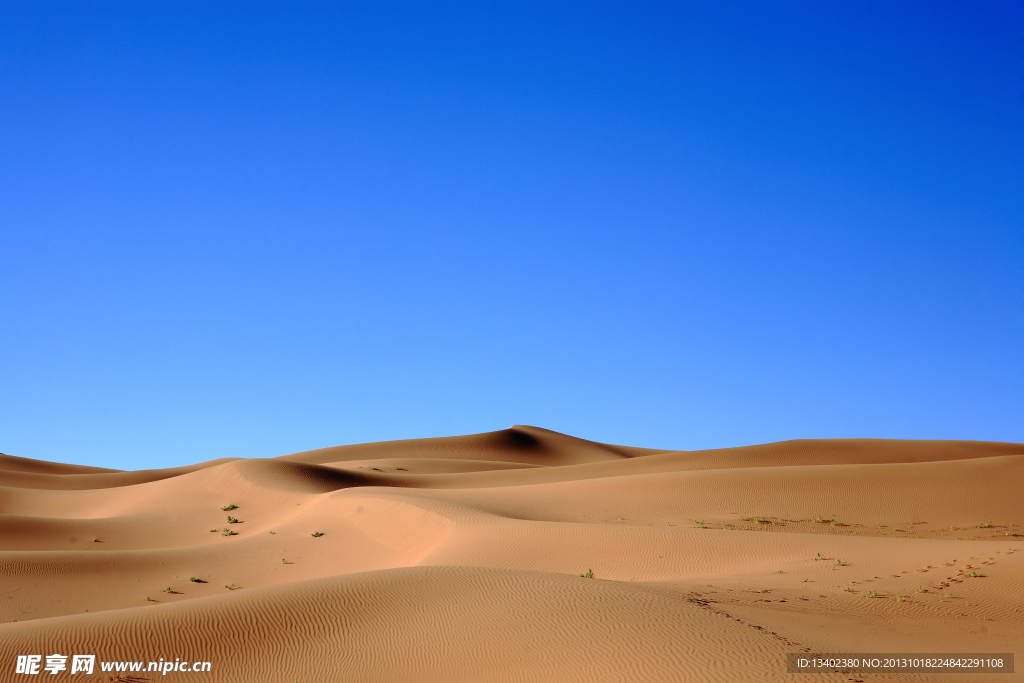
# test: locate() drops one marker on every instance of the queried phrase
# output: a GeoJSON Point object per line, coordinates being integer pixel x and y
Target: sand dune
{"type": "Point", "coordinates": [459, 559]}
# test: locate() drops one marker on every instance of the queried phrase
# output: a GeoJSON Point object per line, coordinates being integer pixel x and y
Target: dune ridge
{"type": "Point", "coordinates": [460, 559]}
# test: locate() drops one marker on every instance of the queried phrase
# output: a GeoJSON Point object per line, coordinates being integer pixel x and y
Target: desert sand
{"type": "Point", "coordinates": [460, 559]}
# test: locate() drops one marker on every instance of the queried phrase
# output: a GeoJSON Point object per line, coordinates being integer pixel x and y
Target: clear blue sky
{"type": "Point", "coordinates": [249, 229]}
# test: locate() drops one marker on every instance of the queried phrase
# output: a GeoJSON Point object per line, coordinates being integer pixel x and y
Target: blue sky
{"type": "Point", "coordinates": [250, 229]}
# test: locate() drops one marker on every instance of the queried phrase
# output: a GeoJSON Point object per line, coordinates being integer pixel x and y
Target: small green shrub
{"type": "Point", "coordinates": [195, 580]}
{"type": "Point", "coordinates": [227, 508]}
{"type": "Point", "coordinates": [818, 556]}
{"type": "Point", "coordinates": [168, 590]}
{"type": "Point", "coordinates": [317, 534]}
{"type": "Point", "coordinates": [232, 520]}
{"type": "Point", "coordinates": [228, 532]}
{"type": "Point", "coordinates": [848, 589]}
{"type": "Point", "coordinates": [589, 574]}
{"type": "Point", "coordinates": [872, 594]}
{"type": "Point", "coordinates": [401, 469]}
{"type": "Point", "coordinates": [985, 525]}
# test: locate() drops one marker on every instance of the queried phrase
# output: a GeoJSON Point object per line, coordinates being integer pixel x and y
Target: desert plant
{"type": "Point", "coordinates": [401, 469]}
{"type": "Point", "coordinates": [975, 575]}
{"type": "Point", "coordinates": [230, 507]}
{"type": "Point", "coordinates": [376, 469]}
{"type": "Point", "coordinates": [230, 587]}
{"type": "Point", "coordinates": [985, 525]}
{"type": "Point", "coordinates": [228, 532]}
{"type": "Point", "coordinates": [232, 520]}
{"type": "Point", "coordinates": [195, 580]}
{"type": "Point", "coordinates": [589, 574]}
{"type": "Point", "coordinates": [848, 589]}
{"type": "Point", "coordinates": [168, 590]}
{"type": "Point", "coordinates": [819, 556]}
{"type": "Point", "coordinates": [840, 563]}
{"type": "Point", "coordinates": [900, 597]}
{"type": "Point", "coordinates": [919, 589]}
{"type": "Point", "coordinates": [317, 534]}
{"type": "Point", "coordinates": [872, 594]}
{"type": "Point", "coordinates": [284, 561]}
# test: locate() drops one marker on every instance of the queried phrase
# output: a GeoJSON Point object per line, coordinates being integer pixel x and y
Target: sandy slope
{"type": "Point", "coordinates": [458, 559]}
